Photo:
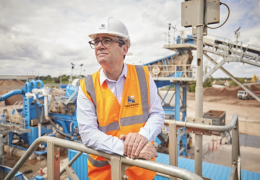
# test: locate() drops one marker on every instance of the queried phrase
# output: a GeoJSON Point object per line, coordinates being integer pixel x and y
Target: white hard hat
{"type": "Point", "coordinates": [110, 25]}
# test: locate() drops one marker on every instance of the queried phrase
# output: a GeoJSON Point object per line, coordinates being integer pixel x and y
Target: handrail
{"type": "Point", "coordinates": [205, 127]}
{"type": "Point", "coordinates": [233, 125]}
{"type": "Point", "coordinates": [150, 165]}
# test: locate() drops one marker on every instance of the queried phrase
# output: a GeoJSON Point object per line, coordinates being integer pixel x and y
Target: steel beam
{"type": "Point", "coordinates": [214, 69]}
{"type": "Point", "coordinates": [233, 78]}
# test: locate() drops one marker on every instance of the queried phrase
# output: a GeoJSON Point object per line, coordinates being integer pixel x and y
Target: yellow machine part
{"type": "Point", "coordinates": [254, 78]}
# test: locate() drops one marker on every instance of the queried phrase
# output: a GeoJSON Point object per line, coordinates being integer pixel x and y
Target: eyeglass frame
{"type": "Point", "coordinates": [121, 42]}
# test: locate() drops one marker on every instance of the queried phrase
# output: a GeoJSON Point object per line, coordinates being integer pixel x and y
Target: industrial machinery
{"type": "Point", "coordinates": [219, 51]}
{"type": "Point", "coordinates": [255, 78]}
{"type": "Point", "coordinates": [45, 111]}
{"type": "Point", "coordinates": [173, 72]}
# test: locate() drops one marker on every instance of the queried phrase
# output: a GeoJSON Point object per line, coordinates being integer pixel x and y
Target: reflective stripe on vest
{"type": "Point", "coordinates": [126, 121]}
{"type": "Point", "coordinates": [96, 162]}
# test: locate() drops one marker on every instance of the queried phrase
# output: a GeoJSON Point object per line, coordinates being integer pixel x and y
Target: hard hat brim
{"type": "Point", "coordinates": [93, 35]}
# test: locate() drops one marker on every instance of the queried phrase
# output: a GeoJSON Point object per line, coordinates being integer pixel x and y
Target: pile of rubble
{"type": "Point", "coordinates": [227, 91]}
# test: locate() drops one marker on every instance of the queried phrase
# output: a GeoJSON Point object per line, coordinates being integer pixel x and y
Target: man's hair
{"type": "Point", "coordinates": [124, 41]}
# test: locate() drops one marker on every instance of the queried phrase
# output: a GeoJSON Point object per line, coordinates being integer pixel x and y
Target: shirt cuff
{"type": "Point", "coordinates": [119, 148]}
{"type": "Point", "coordinates": [146, 134]}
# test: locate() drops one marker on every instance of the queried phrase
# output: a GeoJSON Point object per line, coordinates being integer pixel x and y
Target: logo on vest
{"type": "Point", "coordinates": [131, 99]}
{"type": "Point", "coordinates": [131, 102]}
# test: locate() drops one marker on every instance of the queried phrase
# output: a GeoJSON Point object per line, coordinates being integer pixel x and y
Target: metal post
{"type": "Point", "coordinates": [199, 85]}
{"type": "Point", "coordinates": [236, 150]}
{"type": "Point", "coordinates": [177, 101]}
{"type": "Point", "coordinates": [177, 112]}
{"type": "Point", "coordinates": [184, 113]}
{"type": "Point", "coordinates": [53, 161]}
{"type": "Point", "coordinates": [116, 173]}
{"type": "Point", "coordinates": [173, 148]}
{"type": "Point", "coordinates": [1, 149]}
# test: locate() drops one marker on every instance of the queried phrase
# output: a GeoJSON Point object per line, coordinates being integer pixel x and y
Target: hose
{"type": "Point", "coordinates": [52, 123]}
{"type": "Point", "coordinates": [16, 144]}
{"type": "Point", "coordinates": [224, 21]}
{"type": "Point", "coordinates": [62, 133]}
{"type": "Point", "coordinates": [37, 111]}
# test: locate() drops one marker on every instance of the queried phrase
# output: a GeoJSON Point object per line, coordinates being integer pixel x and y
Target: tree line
{"type": "Point", "coordinates": [60, 79]}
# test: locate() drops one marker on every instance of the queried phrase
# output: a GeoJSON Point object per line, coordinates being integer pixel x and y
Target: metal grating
{"type": "Point", "coordinates": [80, 166]}
{"type": "Point", "coordinates": [212, 171]}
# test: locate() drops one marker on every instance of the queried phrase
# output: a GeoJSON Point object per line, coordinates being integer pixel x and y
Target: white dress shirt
{"type": "Point", "coordinates": [92, 137]}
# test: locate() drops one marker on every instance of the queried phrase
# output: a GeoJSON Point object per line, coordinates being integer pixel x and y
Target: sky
{"type": "Point", "coordinates": [45, 37]}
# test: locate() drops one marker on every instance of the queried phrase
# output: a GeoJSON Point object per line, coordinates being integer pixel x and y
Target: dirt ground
{"type": "Point", "coordinates": [247, 111]}
{"type": "Point", "coordinates": [227, 100]}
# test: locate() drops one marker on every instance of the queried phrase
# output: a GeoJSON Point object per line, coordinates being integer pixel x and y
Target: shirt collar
{"type": "Point", "coordinates": [103, 77]}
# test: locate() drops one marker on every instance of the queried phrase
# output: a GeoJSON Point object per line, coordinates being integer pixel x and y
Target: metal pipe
{"type": "Point", "coordinates": [71, 126]}
{"type": "Point", "coordinates": [162, 175]}
{"type": "Point", "coordinates": [233, 173]}
{"type": "Point", "coordinates": [199, 85]}
{"type": "Point", "coordinates": [71, 162]}
{"type": "Point", "coordinates": [182, 149]}
{"type": "Point", "coordinates": [11, 93]}
{"type": "Point", "coordinates": [39, 129]}
{"type": "Point", "coordinates": [46, 106]}
{"type": "Point", "coordinates": [1, 149]}
{"type": "Point", "coordinates": [173, 148]}
{"type": "Point", "coordinates": [161, 168]}
{"type": "Point", "coordinates": [205, 127]}
{"type": "Point", "coordinates": [236, 150]}
{"type": "Point", "coordinates": [154, 166]}
{"type": "Point", "coordinates": [29, 95]}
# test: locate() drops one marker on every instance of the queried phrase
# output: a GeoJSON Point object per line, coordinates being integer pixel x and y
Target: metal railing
{"type": "Point", "coordinates": [118, 163]}
{"type": "Point", "coordinates": [180, 71]}
{"type": "Point", "coordinates": [204, 129]}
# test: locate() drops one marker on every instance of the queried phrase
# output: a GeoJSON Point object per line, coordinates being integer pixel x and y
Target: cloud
{"type": "Point", "coordinates": [46, 36]}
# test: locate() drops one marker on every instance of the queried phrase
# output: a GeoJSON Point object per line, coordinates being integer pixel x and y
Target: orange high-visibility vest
{"type": "Point", "coordinates": [115, 119]}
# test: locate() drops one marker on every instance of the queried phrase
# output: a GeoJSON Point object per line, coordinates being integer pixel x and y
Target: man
{"type": "Point", "coordinates": [118, 110]}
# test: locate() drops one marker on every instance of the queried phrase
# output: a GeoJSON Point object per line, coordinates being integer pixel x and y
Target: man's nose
{"type": "Point", "coordinates": [100, 45]}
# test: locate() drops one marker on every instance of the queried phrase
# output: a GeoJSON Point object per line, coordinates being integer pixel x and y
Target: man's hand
{"type": "Point", "coordinates": [134, 143]}
{"type": "Point", "coordinates": [148, 152]}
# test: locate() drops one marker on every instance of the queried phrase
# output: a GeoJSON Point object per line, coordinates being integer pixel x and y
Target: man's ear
{"type": "Point", "coordinates": [125, 49]}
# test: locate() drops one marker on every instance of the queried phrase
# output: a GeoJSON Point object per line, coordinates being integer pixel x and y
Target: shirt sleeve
{"type": "Point", "coordinates": [156, 114]}
{"type": "Point", "coordinates": [91, 136]}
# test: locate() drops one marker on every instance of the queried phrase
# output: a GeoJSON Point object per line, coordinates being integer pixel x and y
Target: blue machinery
{"type": "Point", "coordinates": [34, 119]}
